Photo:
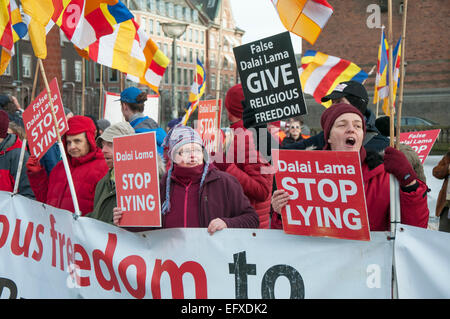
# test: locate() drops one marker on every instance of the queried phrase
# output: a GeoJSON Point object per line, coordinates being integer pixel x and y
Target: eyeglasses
{"type": "Point", "coordinates": [189, 152]}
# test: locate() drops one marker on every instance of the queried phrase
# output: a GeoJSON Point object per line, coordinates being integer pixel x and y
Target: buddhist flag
{"type": "Point", "coordinates": [381, 92]}
{"type": "Point", "coordinates": [129, 50]}
{"type": "Point", "coordinates": [305, 18]}
{"type": "Point", "coordinates": [11, 30]}
{"type": "Point", "coordinates": [321, 73]}
{"type": "Point", "coordinates": [197, 90]}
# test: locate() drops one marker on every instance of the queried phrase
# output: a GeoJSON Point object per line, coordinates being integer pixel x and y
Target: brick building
{"type": "Point", "coordinates": [427, 73]}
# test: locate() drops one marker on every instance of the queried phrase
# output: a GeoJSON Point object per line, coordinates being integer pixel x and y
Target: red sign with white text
{"type": "Point", "coordinates": [208, 124]}
{"type": "Point", "coordinates": [137, 180]}
{"type": "Point", "coordinates": [421, 141]}
{"type": "Point", "coordinates": [326, 191]}
{"type": "Point", "coordinates": [38, 121]}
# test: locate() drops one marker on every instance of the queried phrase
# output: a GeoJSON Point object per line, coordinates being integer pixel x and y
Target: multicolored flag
{"type": "Point", "coordinates": [82, 21]}
{"type": "Point", "coordinates": [305, 18]}
{"type": "Point", "coordinates": [321, 73]}
{"type": "Point", "coordinates": [11, 30]}
{"type": "Point", "coordinates": [197, 90]}
{"type": "Point", "coordinates": [129, 50]}
{"type": "Point", "coordinates": [381, 92]}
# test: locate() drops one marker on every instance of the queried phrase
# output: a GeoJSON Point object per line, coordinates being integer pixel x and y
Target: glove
{"type": "Point", "coordinates": [396, 163]}
{"type": "Point", "coordinates": [33, 164]}
{"type": "Point", "coordinates": [248, 115]}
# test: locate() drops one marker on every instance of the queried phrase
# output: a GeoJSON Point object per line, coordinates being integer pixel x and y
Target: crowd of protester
{"type": "Point", "coordinates": [233, 187]}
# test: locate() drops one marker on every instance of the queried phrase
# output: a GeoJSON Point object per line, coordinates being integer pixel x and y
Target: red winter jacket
{"type": "Point", "coordinates": [413, 205]}
{"type": "Point", "coordinates": [247, 166]}
{"type": "Point", "coordinates": [54, 189]}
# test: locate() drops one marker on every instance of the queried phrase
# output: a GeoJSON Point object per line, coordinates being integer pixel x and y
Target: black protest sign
{"type": "Point", "coordinates": [270, 79]}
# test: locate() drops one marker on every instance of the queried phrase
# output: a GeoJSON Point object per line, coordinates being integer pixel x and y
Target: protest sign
{"type": "Point", "coordinates": [208, 123]}
{"type": "Point", "coordinates": [421, 141]}
{"type": "Point", "coordinates": [113, 112]}
{"type": "Point", "coordinates": [326, 194]}
{"type": "Point", "coordinates": [137, 180]}
{"type": "Point", "coordinates": [270, 79]}
{"type": "Point", "coordinates": [38, 121]}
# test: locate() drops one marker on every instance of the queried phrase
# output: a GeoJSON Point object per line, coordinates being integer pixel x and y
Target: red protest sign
{"type": "Point", "coordinates": [421, 141]}
{"type": "Point", "coordinates": [137, 181]}
{"type": "Point", "coordinates": [38, 121]}
{"type": "Point", "coordinates": [208, 125]}
{"type": "Point", "coordinates": [326, 194]}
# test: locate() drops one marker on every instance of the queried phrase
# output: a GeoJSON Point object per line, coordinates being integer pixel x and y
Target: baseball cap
{"type": "Point", "coordinates": [129, 95]}
{"type": "Point", "coordinates": [118, 129]}
{"type": "Point", "coordinates": [351, 88]}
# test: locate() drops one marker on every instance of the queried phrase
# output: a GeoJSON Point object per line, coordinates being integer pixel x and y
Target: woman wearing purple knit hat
{"type": "Point", "coordinates": [344, 130]}
{"type": "Point", "coordinates": [196, 194]}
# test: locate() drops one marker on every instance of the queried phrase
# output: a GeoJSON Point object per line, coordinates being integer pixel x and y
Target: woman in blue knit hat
{"type": "Point", "coordinates": [196, 194]}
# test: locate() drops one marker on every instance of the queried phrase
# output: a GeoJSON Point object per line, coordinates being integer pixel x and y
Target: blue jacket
{"type": "Point", "coordinates": [145, 124]}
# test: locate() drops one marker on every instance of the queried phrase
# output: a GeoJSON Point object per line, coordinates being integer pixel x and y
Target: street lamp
{"type": "Point", "coordinates": [174, 30]}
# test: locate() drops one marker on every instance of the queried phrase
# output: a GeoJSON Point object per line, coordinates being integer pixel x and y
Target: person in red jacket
{"type": "Point", "coordinates": [196, 194]}
{"type": "Point", "coordinates": [244, 161]}
{"type": "Point", "coordinates": [10, 148]}
{"type": "Point", "coordinates": [87, 166]}
{"type": "Point", "coordinates": [344, 130]}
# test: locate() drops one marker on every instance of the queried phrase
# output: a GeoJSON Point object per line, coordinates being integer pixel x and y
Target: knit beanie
{"type": "Point", "coordinates": [79, 124]}
{"type": "Point", "coordinates": [178, 136]}
{"type": "Point", "coordinates": [233, 99]}
{"type": "Point", "coordinates": [4, 123]}
{"type": "Point", "coordinates": [330, 115]}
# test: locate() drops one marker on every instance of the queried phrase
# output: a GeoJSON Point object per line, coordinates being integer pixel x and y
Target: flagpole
{"type": "Point", "coordinates": [24, 142]}
{"type": "Point", "coordinates": [83, 84]}
{"type": "Point", "coordinates": [377, 78]}
{"type": "Point", "coordinates": [390, 64]}
{"type": "Point", "coordinates": [219, 66]}
{"type": "Point", "coordinates": [100, 90]}
{"type": "Point", "coordinates": [402, 73]}
{"type": "Point", "coordinates": [61, 147]}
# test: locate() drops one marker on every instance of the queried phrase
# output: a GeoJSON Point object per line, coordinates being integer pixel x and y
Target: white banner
{"type": "Point", "coordinates": [39, 246]}
{"type": "Point", "coordinates": [112, 108]}
{"type": "Point", "coordinates": [422, 259]}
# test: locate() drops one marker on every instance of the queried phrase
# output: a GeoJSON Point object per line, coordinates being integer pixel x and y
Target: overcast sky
{"type": "Point", "coordinates": [259, 19]}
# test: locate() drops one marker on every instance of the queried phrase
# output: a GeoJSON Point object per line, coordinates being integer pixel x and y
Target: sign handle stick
{"type": "Point", "coordinates": [83, 85]}
{"type": "Point", "coordinates": [100, 88]}
{"type": "Point", "coordinates": [402, 74]}
{"type": "Point", "coordinates": [391, 82]}
{"type": "Point", "coordinates": [24, 142]}
{"type": "Point", "coordinates": [61, 147]}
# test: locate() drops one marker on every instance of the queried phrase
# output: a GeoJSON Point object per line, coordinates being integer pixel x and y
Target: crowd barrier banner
{"type": "Point", "coordinates": [45, 253]}
{"type": "Point", "coordinates": [422, 259]}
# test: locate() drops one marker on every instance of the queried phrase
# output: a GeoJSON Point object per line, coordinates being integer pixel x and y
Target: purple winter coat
{"type": "Point", "coordinates": [221, 196]}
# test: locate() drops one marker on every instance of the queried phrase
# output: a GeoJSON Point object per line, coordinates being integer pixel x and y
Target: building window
{"type": "Point", "coordinates": [151, 5]}
{"type": "Point", "coordinates": [166, 50]}
{"type": "Point", "coordinates": [196, 36]}
{"type": "Point", "coordinates": [26, 65]}
{"type": "Point", "coordinates": [144, 24]}
{"type": "Point", "coordinates": [161, 7]}
{"type": "Point", "coordinates": [202, 37]}
{"type": "Point", "coordinates": [169, 9]}
{"type": "Point", "coordinates": [179, 12]}
{"type": "Point", "coordinates": [185, 54]}
{"type": "Point", "coordinates": [113, 75]}
{"type": "Point", "coordinates": [158, 28]}
{"type": "Point", "coordinates": [189, 35]}
{"type": "Point", "coordinates": [191, 56]}
{"type": "Point", "coordinates": [187, 14]}
{"type": "Point", "coordinates": [78, 68]}
{"type": "Point", "coordinates": [179, 74]}
{"type": "Point", "coordinates": [212, 41]}
{"type": "Point", "coordinates": [212, 61]}
{"type": "Point", "coordinates": [63, 69]}
{"type": "Point", "coordinates": [213, 81]}
{"type": "Point", "coordinates": [178, 53]}
{"type": "Point", "coordinates": [185, 76]}
{"type": "Point", "coordinates": [195, 15]}
{"type": "Point", "coordinates": [150, 25]}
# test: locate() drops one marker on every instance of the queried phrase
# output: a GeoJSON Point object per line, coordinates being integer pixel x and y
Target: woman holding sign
{"type": "Point", "coordinates": [196, 194]}
{"type": "Point", "coordinates": [344, 130]}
